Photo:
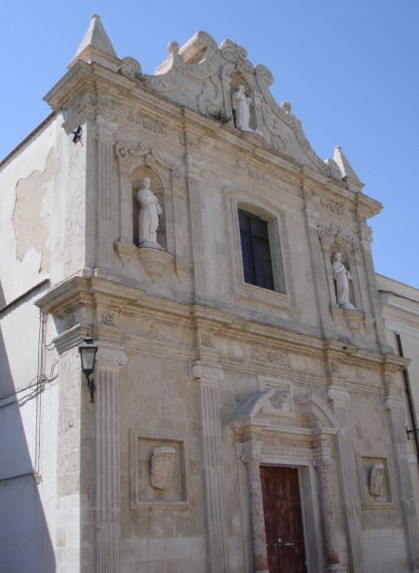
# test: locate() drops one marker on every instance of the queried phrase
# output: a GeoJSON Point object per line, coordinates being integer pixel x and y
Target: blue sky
{"type": "Point", "coordinates": [350, 69]}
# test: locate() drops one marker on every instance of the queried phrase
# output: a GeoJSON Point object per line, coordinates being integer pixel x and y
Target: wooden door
{"type": "Point", "coordinates": [283, 520]}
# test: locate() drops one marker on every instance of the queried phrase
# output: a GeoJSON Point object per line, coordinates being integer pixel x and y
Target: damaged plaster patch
{"type": "Point", "coordinates": [32, 211]}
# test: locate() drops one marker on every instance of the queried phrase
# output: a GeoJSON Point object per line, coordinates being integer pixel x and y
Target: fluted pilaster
{"type": "Point", "coordinates": [398, 431]}
{"type": "Point", "coordinates": [352, 504]}
{"type": "Point", "coordinates": [197, 240]}
{"type": "Point", "coordinates": [107, 467]}
{"type": "Point", "coordinates": [105, 196]}
{"type": "Point", "coordinates": [209, 377]}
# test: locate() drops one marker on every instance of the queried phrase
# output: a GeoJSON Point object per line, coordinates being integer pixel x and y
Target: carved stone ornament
{"type": "Point", "coordinates": [130, 67]}
{"type": "Point", "coordinates": [338, 395]}
{"type": "Point", "coordinates": [280, 357]}
{"type": "Point", "coordinates": [377, 480]}
{"type": "Point", "coordinates": [154, 261]}
{"type": "Point", "coordinates": [108, 318]}
{"type": "Point", "coordinates": [208, 374]}
{"type": "Point", "coordinates": [280, 400]}
{"type": "Point", "coordinates": [217, 82]}
{"type": "Point", "coordinates": [162, 465]}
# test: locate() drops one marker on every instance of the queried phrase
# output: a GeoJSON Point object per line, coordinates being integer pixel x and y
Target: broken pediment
{"type": "Point", "coordinates": [220, 82]}
{"type": "Point", "coordinates": [205, 77]}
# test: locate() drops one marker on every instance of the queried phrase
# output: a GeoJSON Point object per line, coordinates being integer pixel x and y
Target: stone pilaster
{"type": "Point", "coordinates": [324, 466]}
{"type": "Point", "coordinates": [105, 196]}
{"type": "Point", "coordinates": [251, 456]}
{"type": "Point", "coordinates": [317, 263]}
{"type": "Point", "coordinates": [197, 240]}
{"type": "Point", "coordinates": [398, 433]}
{"type": "Point", "coordinates": [126, 232]}
{"type": "Point", "coordinates": [107, 466]}
{"type": "Point", "coordinates": [351, 499]}
{"type": "Point", "coordinates": [209, 378]}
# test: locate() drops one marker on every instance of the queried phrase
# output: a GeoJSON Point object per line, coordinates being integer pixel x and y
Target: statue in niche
{"type": "Point", "coordinates": [149, 216]}
{"type": "Point", "coordinates": [342, 277]}
{"type": "Point", "coordinates": [241, 106]}
{"type": "Point", "coordinates": [162, 465]}
{"type": "Point", "coordinates": [377, 480]}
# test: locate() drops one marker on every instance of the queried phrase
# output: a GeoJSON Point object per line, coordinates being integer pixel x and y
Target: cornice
{"type": "Point", "coordinates": [86, 294]}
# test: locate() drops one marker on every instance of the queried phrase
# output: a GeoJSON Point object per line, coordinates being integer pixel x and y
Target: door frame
{"type": "Point", "coordinates": [262, 438]}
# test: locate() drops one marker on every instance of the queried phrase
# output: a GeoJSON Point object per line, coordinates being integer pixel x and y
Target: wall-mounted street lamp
{"type": "Point", "coordinates": [88, 349]}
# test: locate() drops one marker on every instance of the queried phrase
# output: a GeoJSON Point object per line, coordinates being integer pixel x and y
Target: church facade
{"type": "Point", "coordinates": [248, 411]}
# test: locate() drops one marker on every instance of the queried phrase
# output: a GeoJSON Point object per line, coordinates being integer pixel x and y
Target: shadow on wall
{"type": "Point", "coordinates": [25, 542]}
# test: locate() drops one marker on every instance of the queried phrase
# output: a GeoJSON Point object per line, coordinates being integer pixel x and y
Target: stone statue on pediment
{"type": "Point", "coordinates": [149, 216]}
{"type": "Point", "coordinates": [241, 104]}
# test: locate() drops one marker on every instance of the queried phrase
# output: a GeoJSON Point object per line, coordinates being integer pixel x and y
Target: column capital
{"type": "Point", "coordinates": [251, 452]}
{"type": "Point", "coordinates": [207, 373]}
{"type": "Point", "coordinates": [111, 357]}
{"type": "Point", "coordinates": [393, 403]}
{"type": "Point", "coordinates": [338, 395]}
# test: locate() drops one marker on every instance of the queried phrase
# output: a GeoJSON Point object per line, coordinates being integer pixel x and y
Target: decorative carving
{"type": "Point", "coordinates": [251, 170]}
{"type": "Point", "coordinates": [264, 354]}
{"type": "Point", "coordinates": [206, 339]}
{"type": "Point", "coordinates": [233, 52]}
{"type": "Point", "coordinates": [155, 261]}
{"type": "Point", "coordinates": [332, 207]}
{"type": "Point", "coordinates": [280, 400]}
{"type": "Point", "coordinates": [148, 123]}
{"type": "Point", "coordinates": [338, 395]}
{"type": "Point", "coordinates": [108, 318]}
{"type": "Point", "coordinates": [209, 374]}
{"type": "Point", "coordinates": [131, 68]}
{"type": "Point", "coordinates": [162, 465]}
{"type": "Point", "coordinates": [377, 480]}
{"type": "Point", "coordinates": [158, 472]}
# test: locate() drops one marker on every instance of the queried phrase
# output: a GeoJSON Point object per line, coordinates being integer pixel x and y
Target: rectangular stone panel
{"type": "Point", "coordinates": [158, 474]}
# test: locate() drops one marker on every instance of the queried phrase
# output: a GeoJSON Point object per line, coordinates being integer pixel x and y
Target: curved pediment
{"type": "Point", "coordinates": [204, 77]}
{"type": "Point", "coordinates": [221, 83]}
{"type": "Point", "coordinates": [277, 402]}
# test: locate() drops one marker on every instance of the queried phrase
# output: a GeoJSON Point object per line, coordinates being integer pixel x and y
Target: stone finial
{"type": "Point", "coordinates": [96, 46]}
{"type": "Point", "coordinates": [173, 47]}
{"type": "Point", "coordinates": [346, 168]}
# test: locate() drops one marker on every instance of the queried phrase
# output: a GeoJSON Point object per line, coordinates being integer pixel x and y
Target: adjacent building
{"type": "Point", "coordinates": [253, 406]}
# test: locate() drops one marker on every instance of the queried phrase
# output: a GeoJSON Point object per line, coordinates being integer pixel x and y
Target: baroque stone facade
{"type": "Point", "coordinates": [183, 221]}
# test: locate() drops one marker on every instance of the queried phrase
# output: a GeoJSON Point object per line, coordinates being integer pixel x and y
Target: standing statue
{"type": "Point", "coordinates": [149, 215]}
{"type": "Point", "coordinates": [241, 105]}
{"type": "Point", "coordinates": [342, 277]}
